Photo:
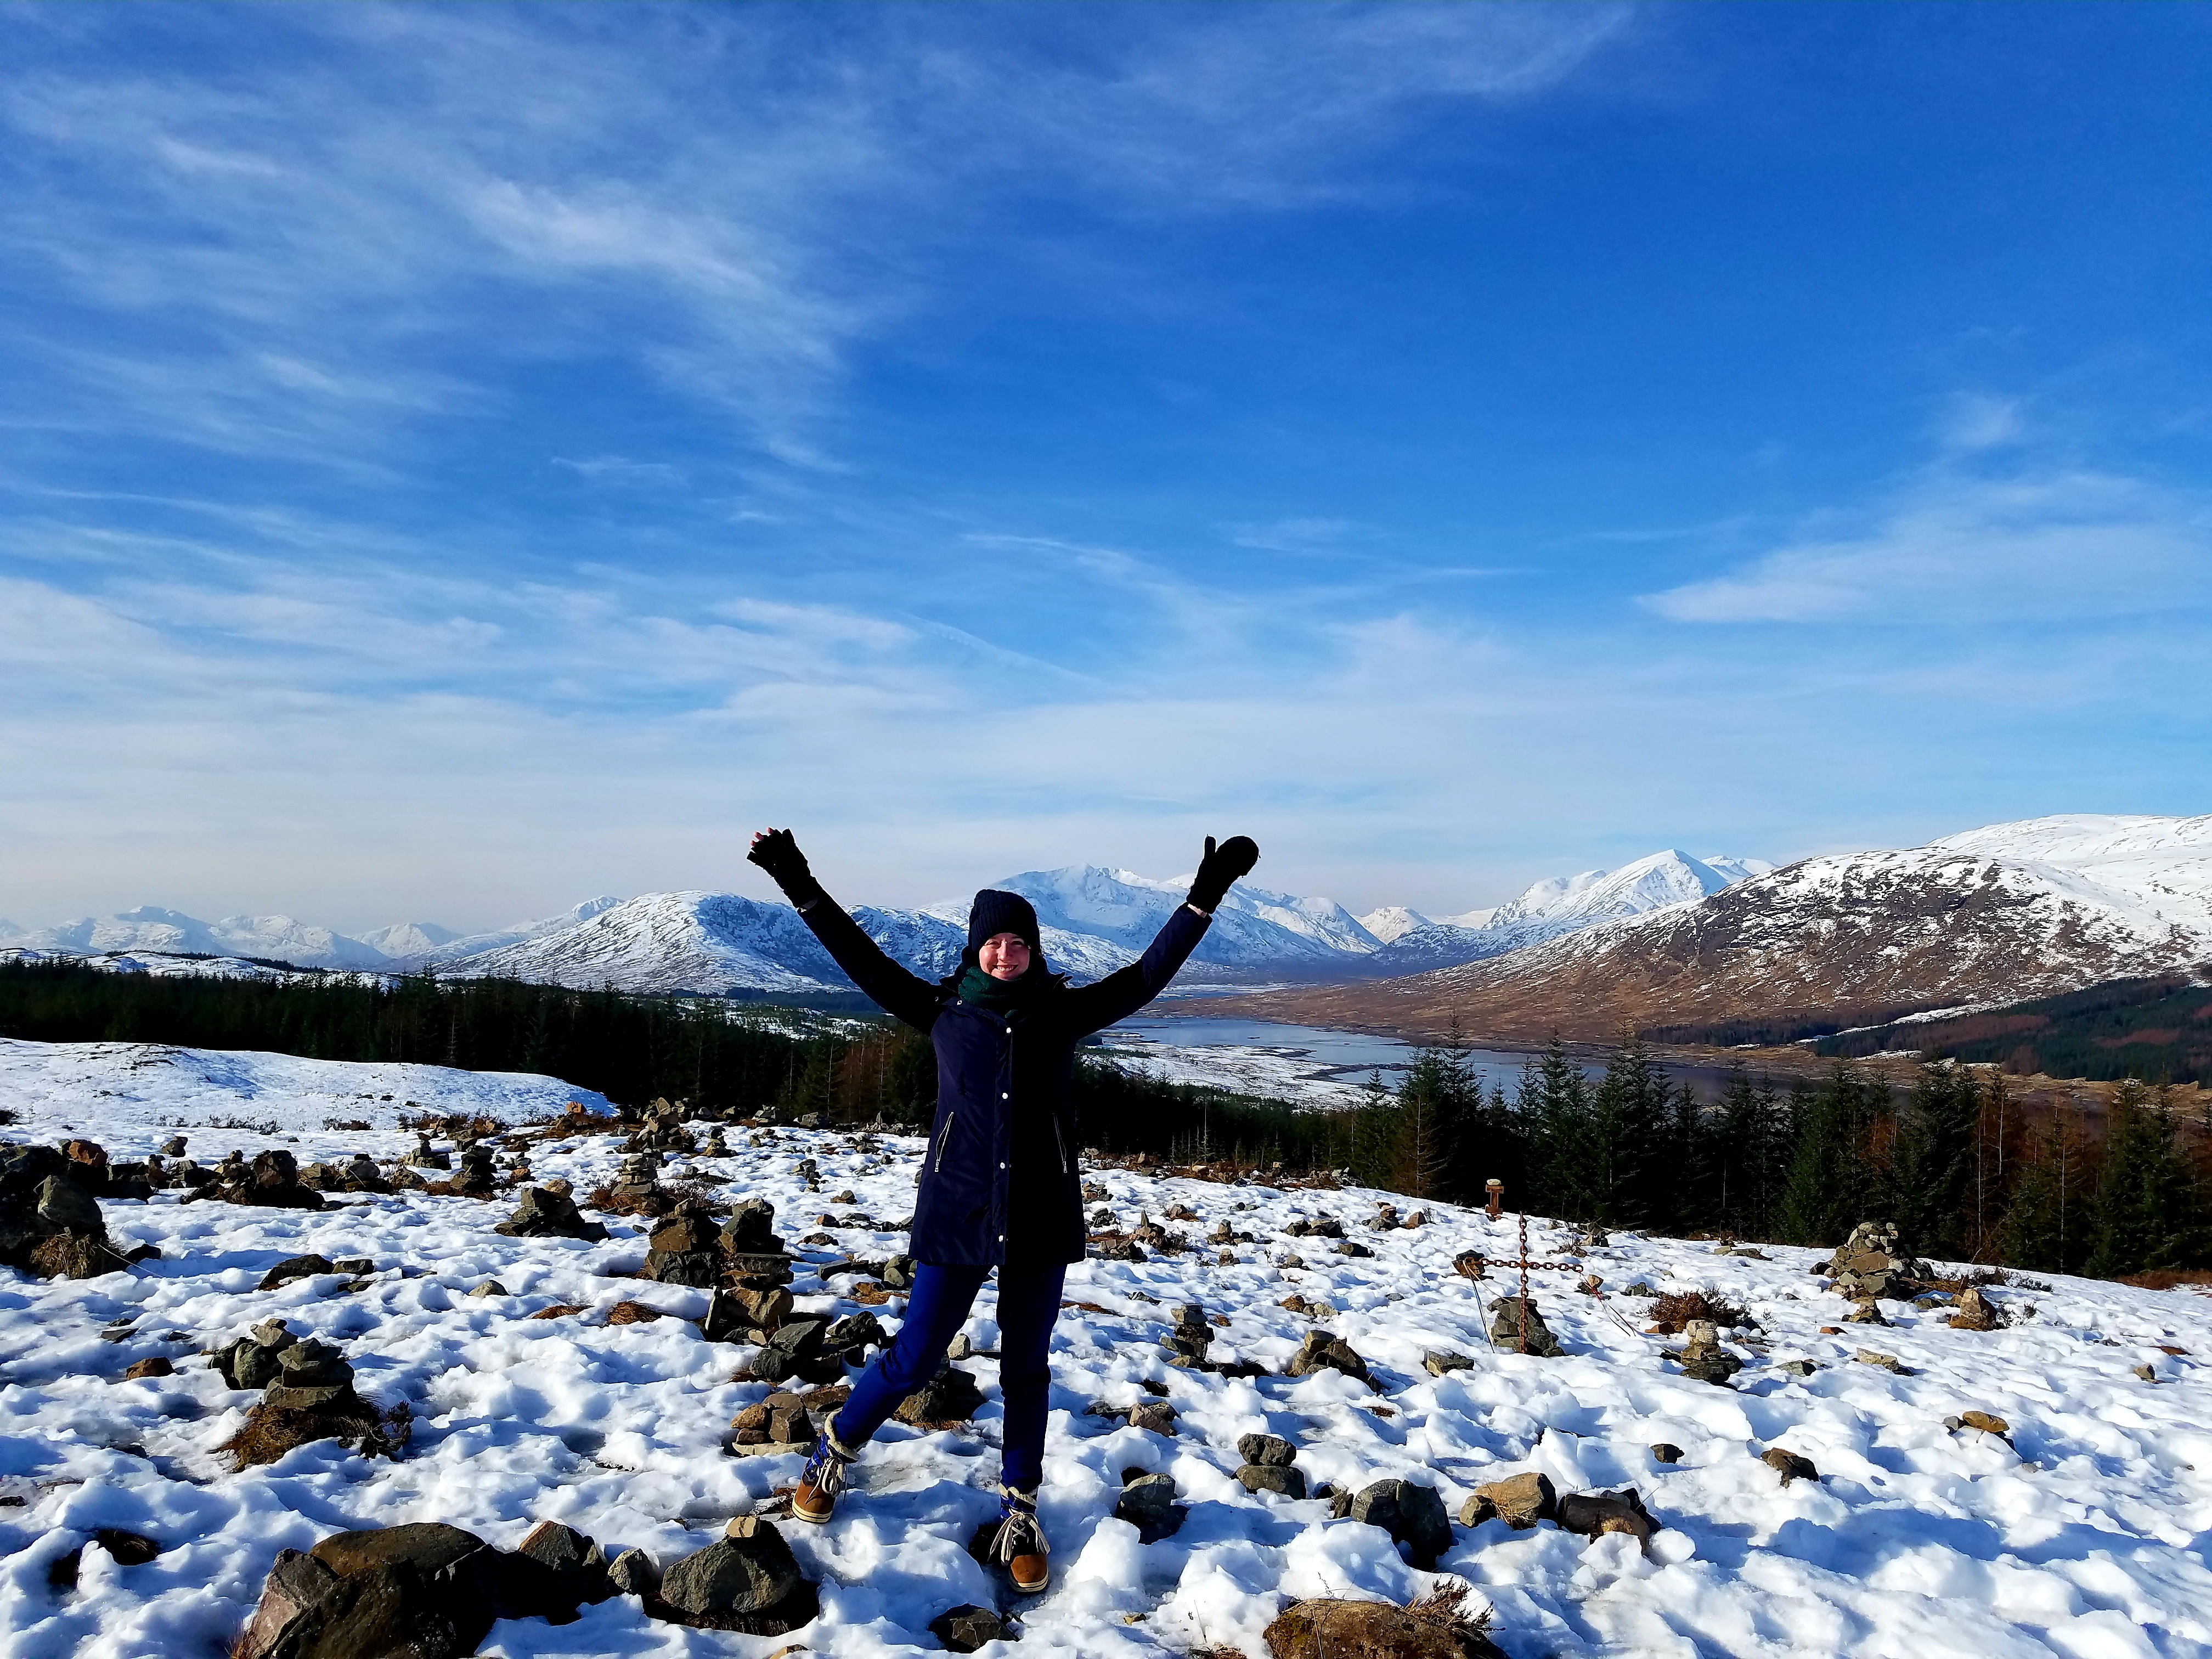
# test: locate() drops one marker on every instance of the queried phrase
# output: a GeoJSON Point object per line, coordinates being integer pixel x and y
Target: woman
{"type": "Point", "coordinates": [1000, 1187]}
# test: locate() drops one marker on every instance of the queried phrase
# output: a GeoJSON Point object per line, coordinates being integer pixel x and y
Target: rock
{"type": "Point", "coordinates": [146, 1367]}
{"type": "Point", "coordinates": [292, 1268]}
{"type": "Point", "coordinates": [967, 1627]}
{"type": "Point", "coordinates": [855, 1334]}
{"type": "Point", "coordinates": [1868, 1312]}
{"type": "Point", "coordinates": [1413, 1515]}
{"type": "Point", "coordinates": [1871, 1265]}
{"type": "Point", "coordinates": [750, 1569]}
{"type": "Point", "coordinates": [423, 1590]}
{"type": "Point", "coordinates": [1986, 1423]}
{"type": "Point", "coordinates": [1976, 1312]}
{"type": "Point", "coordinates": [273, 1180]}
{"type": "Point", "coordinates": [951, 1396]}
{"type": "Point", "coordinates": [490, 1288]}
{"type": "Point", "coordinates": [2145, 1374]}
{"type": "Point", "coordinates": [1701, 1355]}
{"type": "Point", "coordinates": [1798, 1367]}
{"type": "Point", "coordinates": [1327, 1628]}
{"type": "Point", "coordinates": [1353, 1248]}
{"type": "Point", "coordinates": [1323, 1351]}
{"type": "Point", "coordinates": [1587, 1514]}
{"type": "Point", "coordinates": [633, 1573]}
{"type": "Point", "coordinates": [1506, 1326]}
{"type": "Point", "coordinates": [1147, 1503]}
{"type": "Point", "coordinates": [578, 1566]}
{"type": "Point", "coordinates": [1155, 1416]}
{"type": "Point", "coordinates": [1789, 1465]}
{"type": "Point", "coordinates": [543, 1212]}
{"type": "Point", "coordinates": [1442, 1362]}
{"type": "Point", "coordinates": [128, 1549]}
{"type": "Point", "coordinates": [295, 1582]}
{"type": "Point", "coordinates": [1520, 1501]}
{"type": "Point", "coordinates": [1666, 1452]}
{"type": "Point", "coordinates": [1269, 1450]}
{"type": "Point", "coordinates": [1888, 1362]}
{"type": "Point", "coordinates": [173, 1146]}
{"type": "Point", "coordinates": [1292, 1260]}
{"type": "Point", "coordinates": [1272, 1477]}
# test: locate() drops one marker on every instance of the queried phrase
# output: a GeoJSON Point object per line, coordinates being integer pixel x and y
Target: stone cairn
{"type": "Point", "coordinates": [50, 1225]}
{"type": "Point", "coordinates": [1267, 1467]}
{"type": "Point", "coordinates": [1701, 1355]}
{"type": "Point", "coordinates": [549, 1211]}
{"type": "Point", "coordinates": [1188, 1340]}
{"type": "Point", "coordinates": [426, 1156]}
{"type": "Point", "coordinates": [683, 1249]}
{"type": "Point", "coordinates": [1870, 1268]}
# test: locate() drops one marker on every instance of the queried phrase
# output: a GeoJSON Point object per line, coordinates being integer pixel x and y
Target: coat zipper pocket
{"type": "Point", "coordinates": [938, 1168]}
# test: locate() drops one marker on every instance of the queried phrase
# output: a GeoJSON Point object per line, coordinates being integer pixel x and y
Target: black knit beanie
{"type": "Point", "coordinates": [995, 913]}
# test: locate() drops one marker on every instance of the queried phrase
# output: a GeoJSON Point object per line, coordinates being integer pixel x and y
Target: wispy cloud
{"type": "Point", "coordinates": [1957, 548]}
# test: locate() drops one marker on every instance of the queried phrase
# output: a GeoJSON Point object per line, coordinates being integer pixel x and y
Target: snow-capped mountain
{"type": "Point", "coordinates": [1562, 904]}
{"type": "Point", "coordinates": [151, 928]}
{"type": "Point", "coordinates": [1094, 920]}
{"type": "Point", "coordinates": [403, 941]}
{"type": "Point", "coordinates": [1996, 914]}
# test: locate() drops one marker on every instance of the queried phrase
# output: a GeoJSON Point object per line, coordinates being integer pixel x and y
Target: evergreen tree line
{"type": "Point", "coordinates": [1952, 1160]}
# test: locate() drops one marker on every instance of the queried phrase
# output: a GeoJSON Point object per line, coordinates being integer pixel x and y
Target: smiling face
{"type": "Point", "coordinates": [1004, 956]}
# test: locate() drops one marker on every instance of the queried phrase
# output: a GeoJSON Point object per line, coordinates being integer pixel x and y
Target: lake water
{"type": "Point", "coordinates": [1313, 1064]}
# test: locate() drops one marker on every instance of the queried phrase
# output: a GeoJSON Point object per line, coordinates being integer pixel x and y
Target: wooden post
{"type": "Point", "coordinates": [1496, 1188]}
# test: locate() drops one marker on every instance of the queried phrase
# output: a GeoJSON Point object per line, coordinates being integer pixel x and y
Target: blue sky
{"type": "Point", "coordinates": [460, 459]}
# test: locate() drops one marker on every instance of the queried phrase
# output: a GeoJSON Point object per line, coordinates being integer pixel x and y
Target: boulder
{"type": "Point", "coordinates": [424, 1592]}
{"type": "Point", "coordinates": [951, 1396]}
{"type": "Point", "coordinates": [156, 1366]}
{"type": "Point", "coordinates": [1590, 1513]}
{"type": "Point", "coordinates": [1987, 1423]}
{"type": "Point", "coordinates": [1272, 1477]}
{"type": "Point", "coordinates": [1789, 1465]}
{"type": "Point", "coordinates": [1323, 1351]}
{"type": "Point", "coordinates": [1666, 1452]}
{"type": "Point", "coordinates": [1512, 1317]}
{"type": "Point", "coordinates": [747, 1580]}
{"type": "Point", "coordinates": [273, 1181]}
{"type": "Point", "coordinates": [1445, 1361]}
{"type": "Point", "coordinates": [1976, 1312]}
{"type": "Point", "coordinates": [295, 1582]}
{"type": "Point", "coordinates": [543, 1213]}
{"type": "Point", "coordinates": [1520, 1501]}
{"type": "Point", "coordinates": [1413, 1515]}
{"type": "Point", "coordinates": [1156, 1416]}
{"type": "Point", "coordinates": [633, 1573]}
{"type": "Point", "coordinates": [50, 1225]}
{"type": "Point", "coordinates": [967, 1627]}
{"type": "Point", "coordinates": [578, 1566]}
{"type": "Point", "coordinates": [1269, 1450]}
{"type": "Point", "coordinates": [1329, 1628]}
{"type": "Point", "coordinates": [294, 1267]}
{"type": "Point", "coordinates": [1147, 1503]}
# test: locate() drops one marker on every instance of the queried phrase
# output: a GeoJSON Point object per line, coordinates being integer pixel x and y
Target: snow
{"type": "Point", "coordinates": [1392, 921]}
{"type": "Point", "coordinates": [2079, 1537]}
{"type": "Point", "coordinates": [151, 928]}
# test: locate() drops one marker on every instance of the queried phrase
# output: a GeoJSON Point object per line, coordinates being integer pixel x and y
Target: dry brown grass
{"type": "Point", "coordinates": [1446, 1605]}
{"type": "Point", "coordinates": [271, 1431]}
{"type": "Point", "coordinates": [1676, 1309]}
{"type": "Point", "coordinates": [2168, 1279]}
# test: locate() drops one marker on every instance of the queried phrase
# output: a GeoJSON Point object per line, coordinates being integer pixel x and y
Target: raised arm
{"type": "Point", "coordinates": [899, 994]}
{"type": "Point", "coordinates": [1118, 996]}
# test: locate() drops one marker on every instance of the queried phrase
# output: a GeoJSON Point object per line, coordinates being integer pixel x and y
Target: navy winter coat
{"type": "Point", "coordinates": [1001, 1082]}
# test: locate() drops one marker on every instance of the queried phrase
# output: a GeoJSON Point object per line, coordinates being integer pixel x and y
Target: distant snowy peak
{"type": "Point", "coordinates": [709, 943]}
{"type": "Point", "coordinates": [404, 939]}
{"type": "Point", "coordinates": [457, 947]}
{"type": "Point", "coordinates": [1561, 905]}
{"type": "Point", "coordinates": [152, 928]}
{"type": "Point", "coordinates": [1388, 924]}
{"type": "Point", "coordinates": [1253, 928]}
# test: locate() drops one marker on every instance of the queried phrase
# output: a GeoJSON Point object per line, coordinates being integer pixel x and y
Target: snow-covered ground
{"type": "Point", "coordinates": [2083, 1536]}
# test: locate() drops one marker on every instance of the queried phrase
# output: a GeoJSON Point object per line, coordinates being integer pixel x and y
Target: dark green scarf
{"type": "Point", "coordinates": [999, 995]}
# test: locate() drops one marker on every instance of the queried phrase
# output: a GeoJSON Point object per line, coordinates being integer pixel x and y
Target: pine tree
{"type": "Point", "coordinates": [1744, 1151]}
{"type": "Point", "coordinates": [1932, 1158]}
{"type": "Point", "coordinates": [2047, 1221]}
{"type": "Point", "coordinates": [1832, 1183]}
{"type": "Point", "coordinates": [1623, 1181]}
{"type": "Point", "coordinates": [1554, 1112]}
{"type": "Point", "coordinates": [2145, 1202]}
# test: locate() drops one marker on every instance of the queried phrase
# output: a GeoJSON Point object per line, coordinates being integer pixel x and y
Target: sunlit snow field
{"type": "Point", "coordinates": [2084, 1536]}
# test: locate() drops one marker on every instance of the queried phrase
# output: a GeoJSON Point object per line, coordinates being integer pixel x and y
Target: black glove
{"type": "Point", "coordinates": [776, 852]}
{"type": "Point", "coordinates": [1232, 861]}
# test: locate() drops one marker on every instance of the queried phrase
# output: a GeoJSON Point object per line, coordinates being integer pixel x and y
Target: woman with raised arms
{"type": "Point", "coordinates": [1000, 1187]}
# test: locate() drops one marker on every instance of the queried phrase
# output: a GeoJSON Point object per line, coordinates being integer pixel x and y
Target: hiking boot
{"type": "Point", "coordinates": [1020, 1542]}
{"type": "Point", "coordinates": [822, 1479]}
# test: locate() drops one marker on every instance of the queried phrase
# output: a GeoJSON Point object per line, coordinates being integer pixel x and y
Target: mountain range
{"type": "Point", "coordinates": [1992, 915]}
{"type": "Point", "coordinates": [1093, 921]}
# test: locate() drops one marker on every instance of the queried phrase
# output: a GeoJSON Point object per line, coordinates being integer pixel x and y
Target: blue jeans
{"type": "Point", "coordinates": [1028, 1303]}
